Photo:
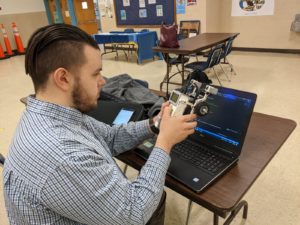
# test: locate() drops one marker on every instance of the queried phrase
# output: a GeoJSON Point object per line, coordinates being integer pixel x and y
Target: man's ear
{"type": "Point", "coordinates": [62, 78]}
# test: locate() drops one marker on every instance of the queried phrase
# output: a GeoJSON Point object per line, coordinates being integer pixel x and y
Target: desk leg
{"type": "Point", "coordinates": [182, 70]}
{"type": "Point", "coordinates": [188, 212]}
{"type": "Point", "coordinates": [234, 212]}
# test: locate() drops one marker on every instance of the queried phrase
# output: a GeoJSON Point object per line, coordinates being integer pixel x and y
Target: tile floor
{"type": "Point", "coordinates": [274, 199]}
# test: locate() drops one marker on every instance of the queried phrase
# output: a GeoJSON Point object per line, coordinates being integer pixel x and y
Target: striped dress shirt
{"type": "Point", "coordinates": [60, 170]}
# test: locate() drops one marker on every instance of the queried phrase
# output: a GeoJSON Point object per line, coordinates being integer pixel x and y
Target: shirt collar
{"type": "Point", "coordinates": [59, 112]}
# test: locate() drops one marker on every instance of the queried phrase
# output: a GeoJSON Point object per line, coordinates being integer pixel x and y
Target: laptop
{"type": "Point", "coordinates": [217, 142]}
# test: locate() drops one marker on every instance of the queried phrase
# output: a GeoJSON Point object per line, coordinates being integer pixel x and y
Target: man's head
{"type": "Point", "coordinates": [63, 60]}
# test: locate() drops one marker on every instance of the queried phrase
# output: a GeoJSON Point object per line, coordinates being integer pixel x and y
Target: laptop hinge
{"type": "Point", "coordinates": [226, 152]}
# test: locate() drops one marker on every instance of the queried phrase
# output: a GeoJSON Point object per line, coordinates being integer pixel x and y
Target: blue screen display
{"type": "Point", "coordinates": [123, 116]}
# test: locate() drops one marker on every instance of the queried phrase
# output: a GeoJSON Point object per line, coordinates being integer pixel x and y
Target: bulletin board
{"type": "Point", "coordinates": [149, 13]}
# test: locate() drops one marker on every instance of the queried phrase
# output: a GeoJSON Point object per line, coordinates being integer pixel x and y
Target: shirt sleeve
{"type": "Point", "coordinates": [120, 138]}
{"type": "Point", "coordinates": [90, 190]}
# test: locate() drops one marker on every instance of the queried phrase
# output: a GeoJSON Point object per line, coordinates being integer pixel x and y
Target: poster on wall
{"type": "Point", "coordinates": [126, 3]}
{"type": "Point", "coordinates": [102, 7]}
{"type": "Point", "coordinates": [142, 13]}
{"type": "Point", "coordinates": [191, 2]}
{"type": "Point", "coordinates": [180, 6]}
{"type": "Point", "coordinates": [142, 3]}
{"type": "Point", "coordinates": [159, 10]}
{"type": "Point", "coordinates": [123, 14]}
{"type": "Point", "coordinates": [252, 7]}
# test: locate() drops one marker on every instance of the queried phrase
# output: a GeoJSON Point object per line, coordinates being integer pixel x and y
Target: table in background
{"type": "Point", "coordinates": [145, 41]}
{"type": "Point", "coordinates": [266, 134]}
{"type": "Point", "coordinates": [193, 45]}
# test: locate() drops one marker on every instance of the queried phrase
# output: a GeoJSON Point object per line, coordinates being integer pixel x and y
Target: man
{"type": "Point", "coordinates": [60, 168]}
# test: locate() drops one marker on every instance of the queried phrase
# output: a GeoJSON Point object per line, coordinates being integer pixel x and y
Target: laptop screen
{"type": "Point", "coordinates": [226, 124]}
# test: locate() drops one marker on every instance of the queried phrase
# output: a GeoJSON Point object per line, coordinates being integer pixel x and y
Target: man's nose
{"type": "Point", "coordinates": [101, 81]}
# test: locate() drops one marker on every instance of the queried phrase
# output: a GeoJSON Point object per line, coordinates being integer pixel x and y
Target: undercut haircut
{"type": "Point", "coordinates": [55, 46]}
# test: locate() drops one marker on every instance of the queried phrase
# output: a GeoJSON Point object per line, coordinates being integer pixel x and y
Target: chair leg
{"type": "Point", "coordinates": [217, 77]}
{"type": "Point", "coordinates": [230, 65]}
{"type": "Point", "coordinates": [166, 78]}
{"type": "Point", "coordinates": [225, 73]}
{"type": "Point", "coordinates": [188, 212]}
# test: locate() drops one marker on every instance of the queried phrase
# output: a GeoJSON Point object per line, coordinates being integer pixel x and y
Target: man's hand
{"type": "Point", "coordinates": [174, 129]}
{"type": "Point", "coordinates": [157, 118]}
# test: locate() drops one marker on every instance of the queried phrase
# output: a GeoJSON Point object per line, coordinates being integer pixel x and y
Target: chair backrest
{"type": "Point", "coordinates": [215, 55]}
{"type": "Point", "coordinates": [144, 30]}
{"type": "Point", "coordinates": [129, 30]}
{"type": "Point", "coordinates": [189, 28]}
{"type": "Point", "coordinates": [228, 47]}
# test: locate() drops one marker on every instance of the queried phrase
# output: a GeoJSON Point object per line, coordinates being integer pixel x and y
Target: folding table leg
{"type": "Point", "coordinates": [233, 213]}
{"type": "Point", "coordinates": [188, 212]}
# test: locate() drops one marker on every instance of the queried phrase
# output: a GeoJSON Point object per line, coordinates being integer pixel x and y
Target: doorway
{"type": "Point", "coordinates": [85, 11]}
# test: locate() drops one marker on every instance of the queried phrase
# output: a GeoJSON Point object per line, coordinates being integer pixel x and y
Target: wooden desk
{"type": "Point", "coordinates": [190, 46]}
{"type": "Point", "coordinates": [197, 43]}
{"type": "Point", "coordinates": [264, 138]}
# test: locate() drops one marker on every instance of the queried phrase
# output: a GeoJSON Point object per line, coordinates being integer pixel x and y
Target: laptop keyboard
{"type": "Point", "coordinates": [200, 157]}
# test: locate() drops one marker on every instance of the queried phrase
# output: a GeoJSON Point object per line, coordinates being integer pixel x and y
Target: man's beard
{"type": "Point", "coordinates": [81, 101]}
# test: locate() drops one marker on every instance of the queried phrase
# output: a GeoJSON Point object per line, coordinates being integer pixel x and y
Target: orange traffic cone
{"type": "Point", "coordinates": [18, 39]}
{"type": "Point", "coordinates": [2, 55]}
{"type": "Point", "coordinates": [6, 41]}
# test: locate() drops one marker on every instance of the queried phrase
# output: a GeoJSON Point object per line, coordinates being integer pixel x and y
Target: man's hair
{"type": "Point", "coordinates": [55, 46]}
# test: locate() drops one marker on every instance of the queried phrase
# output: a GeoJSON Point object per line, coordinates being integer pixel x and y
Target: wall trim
{"type": "Point", "coordinates": [273, 50]}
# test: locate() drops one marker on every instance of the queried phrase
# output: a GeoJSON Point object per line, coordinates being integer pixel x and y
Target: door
{"type": "Point", "coordinates": [53, 11]}
{"type": "Point", "coordinates": [65, 11]}
{"type": "Point", "coordinates": [85, 15]}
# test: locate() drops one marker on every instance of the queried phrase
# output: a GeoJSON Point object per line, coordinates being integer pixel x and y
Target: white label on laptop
{"type": "Point", "coordinates": [195, 179]}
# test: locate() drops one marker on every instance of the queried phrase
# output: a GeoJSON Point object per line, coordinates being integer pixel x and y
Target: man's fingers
{"type": "Point", "coordinates": [190, 125]}
{"type": "Point", "coordinates": [189, 117]}
{"type": "Point", "coordinates": [167, 111]}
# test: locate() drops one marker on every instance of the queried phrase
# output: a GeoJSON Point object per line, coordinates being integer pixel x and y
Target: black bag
{"type": "Point", "coordinates": [200, 76]}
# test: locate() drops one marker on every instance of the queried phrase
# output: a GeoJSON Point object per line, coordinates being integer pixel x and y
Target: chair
{"type": "Point", "coordinates": [130, 47]}
{"type": "Point", "coordinates": [189, 28]}
{"type": "Point", "coordinates": [173, 61]}
{"type": "Point", "coordinates": [296, 24]}
{"type": "Point", "coordinates": [212, 60]}
{"type": "Point", "coordinates": [2, 159]}
{"type": "Point", "coordinates": [225, 53]}
{"type": "Point", "coordinates": [144, 30]}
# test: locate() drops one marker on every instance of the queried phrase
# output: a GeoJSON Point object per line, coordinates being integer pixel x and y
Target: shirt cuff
{"type": "Point", "coordinates": [143, 129]}
{"type": "Point", "coordinates": [159, 159]}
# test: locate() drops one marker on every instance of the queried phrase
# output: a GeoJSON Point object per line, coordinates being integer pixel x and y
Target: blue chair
{"type": "Point", "coordinates": [173, 61]}
{"type": "Point", "coordinates": [212, 60]}
{"type": "Point", "coordinates": [225, 53]}
{"type": "Point", "coordinates": [129, 30]}
{"type": "Point", "coordinates": [144, 30]}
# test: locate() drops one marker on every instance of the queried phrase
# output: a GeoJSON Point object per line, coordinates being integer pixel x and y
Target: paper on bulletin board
{"type": "Point", "coordinates": [142, 3]}
{"type": "Point", "coordinates": [123, 14]}
{"type": "Point", "coordinates": [159, 10]}
{"type": "Point", "coordinates": [180, 6]}
{"type": "Point", "coordinates": [102, 7]}
{"type": "Point", "coordinates": [191, 2]}
{"type": "Point", "coordinates": [151, 2]}
{"type": "Point", "coordinates": [143, 13]}
{"type": "Point", "coordinates": [126, 3]}
{"type": "Point", "coordinates": [252, 7]}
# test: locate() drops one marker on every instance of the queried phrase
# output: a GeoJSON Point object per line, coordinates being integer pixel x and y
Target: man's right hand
{"type": "Point", "coordinates": [174, 129]}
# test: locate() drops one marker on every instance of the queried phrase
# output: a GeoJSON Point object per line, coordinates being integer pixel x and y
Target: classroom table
{"type": "Point", "coordinates": [144, 40]}
{"type": "Point", "coordinates": [266, 134]}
